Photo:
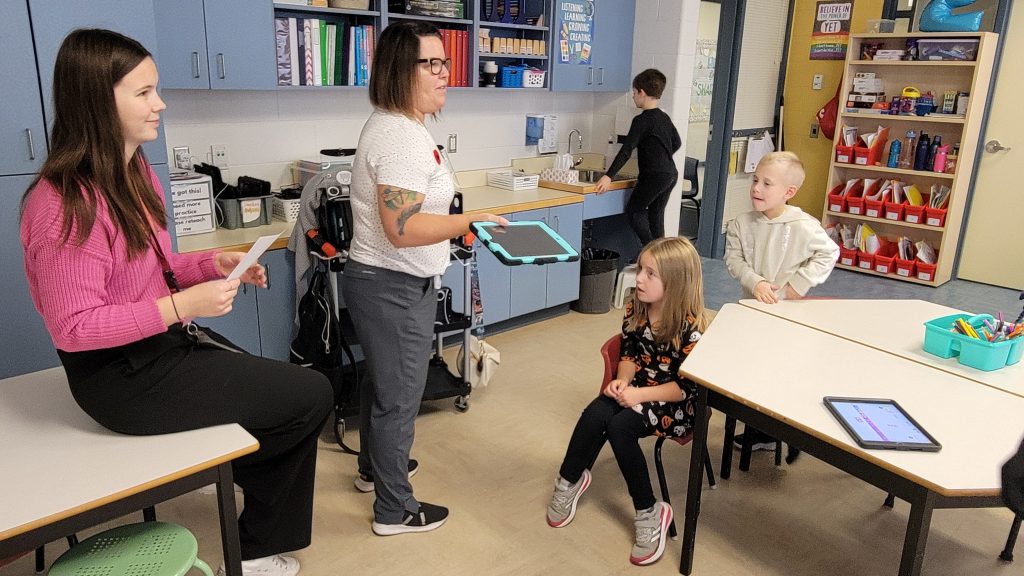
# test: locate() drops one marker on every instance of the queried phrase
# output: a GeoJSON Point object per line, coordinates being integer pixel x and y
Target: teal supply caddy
{"type": "Point", "coordinates": [943, 341]}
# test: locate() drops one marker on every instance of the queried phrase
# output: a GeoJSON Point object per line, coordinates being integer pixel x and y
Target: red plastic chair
{"type": "Point", "coordinates": [611, 352]}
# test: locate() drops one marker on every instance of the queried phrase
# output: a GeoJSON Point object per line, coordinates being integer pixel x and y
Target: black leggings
{"type": "Point", "coordinates": [623, 428]}
{"type": "Point", "coordinates": [185, 387]}
{"type": "Point", "coordinates": [646, 206]}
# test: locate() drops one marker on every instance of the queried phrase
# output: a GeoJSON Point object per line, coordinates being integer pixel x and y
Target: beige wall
{"type": "Point", "coordinates": [802, 103]}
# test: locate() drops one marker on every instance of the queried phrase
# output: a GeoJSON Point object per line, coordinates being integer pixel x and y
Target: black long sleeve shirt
{"type": "Point", "coordinates": [655, 139]}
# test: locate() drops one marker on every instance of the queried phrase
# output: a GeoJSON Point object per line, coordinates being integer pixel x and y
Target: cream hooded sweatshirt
{"type": "Point", "coordinates": [791, 249]}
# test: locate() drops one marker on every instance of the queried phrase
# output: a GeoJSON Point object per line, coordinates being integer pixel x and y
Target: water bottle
{"type": "Point", "coordinates": [921, 154]}
{"type": "Point", "coordinates": [894, 153]}
{"type": "Point", "coordinates": [907, 154]}
{"type": "Point", "coordinates": [940, 158]}
{"type": "Point", "coordinates": [929, 161]}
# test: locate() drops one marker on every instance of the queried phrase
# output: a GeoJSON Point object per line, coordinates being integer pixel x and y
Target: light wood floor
{"type": "Point", "coordinates": [495, 464]}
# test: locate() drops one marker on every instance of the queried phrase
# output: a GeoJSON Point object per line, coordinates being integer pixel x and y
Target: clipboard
{"type": "Point", "coordinates": [524, 242]}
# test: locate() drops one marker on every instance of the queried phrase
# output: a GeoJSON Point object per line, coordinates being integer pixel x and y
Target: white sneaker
{"type": "Point", "coordinates": [276, 565]}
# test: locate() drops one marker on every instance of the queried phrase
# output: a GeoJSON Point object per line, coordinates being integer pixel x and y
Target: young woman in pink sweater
{"type": "Point", "coordinates": [118, 301]}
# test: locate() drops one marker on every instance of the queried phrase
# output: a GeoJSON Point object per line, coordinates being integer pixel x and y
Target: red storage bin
{"type": "Point", "coordinates": [925, 272]}
{"type": "Point", "coordinates": [865, 260]}
{"type": "Point", "coordinates": [844, 154]}
{"type": "Point", "coordinates": [847, 257]}
{"type": "Point", "coordinates": [855, 205]}
{"type": "Point", "coordinates": [836, 200]}
{"type": "Point", "coordinates": [913, 214]}
{"type": "Point", "coordinates": [906, 268]}
{"type": "Point", "coordinates": [874, 208]}
{"type": "Point", "coordinates": [865, 156]}
{"type": "Point", "coordinates": [893, 211]}
{"type": "Point", "coordinates": [885, 258]}
{"type": "Point", "coordinates": [935, 216]}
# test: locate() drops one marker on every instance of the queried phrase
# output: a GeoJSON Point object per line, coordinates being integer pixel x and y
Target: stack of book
{"type": "Point", "coordinates": [318, 52]}
{"type": "Point", "coordinates": [456, 47]}
{"type": "Point", "coordinates": [436, 8]}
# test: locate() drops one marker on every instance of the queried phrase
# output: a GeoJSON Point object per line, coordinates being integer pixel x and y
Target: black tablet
{"type": "Point", "coordinates": [881, 423]}
{"type": "Point", "coordinates": [526, 242]}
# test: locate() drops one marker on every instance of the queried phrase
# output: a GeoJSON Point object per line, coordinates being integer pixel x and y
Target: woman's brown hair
{"type": "Point", "coordinates": [393, 78]}
{"type": "Point", "coordinates": [86, 160]}
{"type": "Point", "coordinates": [678, 266]}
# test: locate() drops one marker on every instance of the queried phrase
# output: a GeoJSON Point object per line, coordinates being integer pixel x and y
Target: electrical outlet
{"type": "Point", "coordinates": [814, 130]}
{"type": "Point", "coordinates": [816, 84]}
{"type": "Point", "coordinates": [182, 158]}
{"type": "Point", "coordinates": [219, 155]}
{"type": "Point", "coordinates": [453, 143]}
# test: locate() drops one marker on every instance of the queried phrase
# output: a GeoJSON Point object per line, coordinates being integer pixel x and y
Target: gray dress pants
{"type": "Point", "coordinates": [393, 314]}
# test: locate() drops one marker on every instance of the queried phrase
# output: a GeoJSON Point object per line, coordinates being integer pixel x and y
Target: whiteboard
{"type": "Point", "coordinates": [764, 37]}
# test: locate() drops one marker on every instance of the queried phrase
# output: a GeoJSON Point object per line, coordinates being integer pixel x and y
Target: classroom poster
{"type": "Point", "coordinates": [703, 81]}
{"type": "Point", "coordinates": [831, 33]}
{"type": "Point", "coordinates": [576, 37]}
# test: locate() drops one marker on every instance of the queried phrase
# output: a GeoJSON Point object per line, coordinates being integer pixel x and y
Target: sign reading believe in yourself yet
{"type": "Point", "coordinates": [576, 36]}
{"type": "Point", "coordinates": [831, 32]}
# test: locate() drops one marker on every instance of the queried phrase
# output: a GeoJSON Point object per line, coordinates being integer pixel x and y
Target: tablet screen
{"type": "Point", "coordinates": [880, 423]}
{"type": "Point", "coordinates": [525, 240]}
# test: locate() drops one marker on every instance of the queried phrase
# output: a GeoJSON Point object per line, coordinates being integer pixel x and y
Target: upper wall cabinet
{"type": "Point", "coordinates": [52, 21]}
{"type": "Point", "coordinates": [592, 46]}
{"type": "Point", "coordinates": [22, 129]}
{"type": "Point", "coordinates": [220, 44]}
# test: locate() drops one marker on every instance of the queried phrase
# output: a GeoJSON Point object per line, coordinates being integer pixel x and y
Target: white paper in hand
{"type": "Point", "coordinates": [253, 255]}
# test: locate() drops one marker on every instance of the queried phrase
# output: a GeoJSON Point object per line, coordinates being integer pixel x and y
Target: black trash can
{"type": "Point", "coordinates": [597, 280]}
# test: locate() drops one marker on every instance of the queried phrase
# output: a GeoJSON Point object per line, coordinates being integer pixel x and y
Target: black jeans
{"type": "Point", "coordinates": [646, 206]}
{"type": "Point", "coordinates": [623, 428]}
{"type": "Point", "coordinates": [167, 383]}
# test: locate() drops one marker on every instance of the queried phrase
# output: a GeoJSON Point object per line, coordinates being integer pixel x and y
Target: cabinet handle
{"type": "Point", "coordinates": [266, 272]}
{"type": "Point", "coordinates": [31, 144]}
{"type": "Point", "coordinates": [590, 76]}
{"type": "Point", "coordinates": [195, 65]}
{"type": "Point", "coordinates": [222, 71]}
{"type": "Point", "coordinates": [557, 227]}
{"type": "Point", "coordinates": [245, 288]}
{"type": "Point", "coordinates": [601, 81]}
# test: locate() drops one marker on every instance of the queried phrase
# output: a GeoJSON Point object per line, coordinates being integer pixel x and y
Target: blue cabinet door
{"type": "Point", "coordinates": [495, 285]}
{"type": "Point", "coordinates": [613, 36]}
{"type": "Point", "coordinates": [529, 281]}
{"type": "Point", "coordinates": [181, 40]}
{"type": "Point", "coordinates": [564, 277]}
{"type": "Point", "coordinates": [276, 304]}
{"type": "Point", "coordinates": [241, 325]}
{"type": "Point", "coordinates": [570, 76]}
{"type": "Point", "coordinates": [24, 340]}
{"type": "Point", "coordinates": [22, 129]}
{"type": "Point", "coordinates": [52, 21]}
{"type": "Point", "coordinates": [240, 44]}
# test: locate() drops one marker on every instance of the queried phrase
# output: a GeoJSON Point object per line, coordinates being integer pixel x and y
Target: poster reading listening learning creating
{"type": "Point", "coordinates": [831, 30]}
{"type": "Point", "coordinates": [576, 36]}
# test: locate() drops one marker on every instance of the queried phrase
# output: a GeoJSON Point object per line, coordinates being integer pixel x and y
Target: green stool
{"type": "Point", "coordinates": [144, 549]}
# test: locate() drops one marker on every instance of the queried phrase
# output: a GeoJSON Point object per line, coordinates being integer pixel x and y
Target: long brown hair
{"type": "Point", "coordinates": [393, 78]}
{"type": "Point", "coordinates": [678, 266]}
{"type": "Point", "coordinates": [86, 160]}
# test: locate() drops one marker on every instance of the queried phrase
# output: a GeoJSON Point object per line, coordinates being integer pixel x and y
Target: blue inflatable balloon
{"type": "Point", "coordinates": [938, 17]}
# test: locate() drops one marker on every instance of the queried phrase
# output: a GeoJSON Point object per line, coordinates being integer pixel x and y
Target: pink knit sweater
{"type": "Point", "coordinates": [90, 295]}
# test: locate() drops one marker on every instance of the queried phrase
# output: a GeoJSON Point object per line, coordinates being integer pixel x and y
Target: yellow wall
{"type": "Point", "coordinates": [802, 103]}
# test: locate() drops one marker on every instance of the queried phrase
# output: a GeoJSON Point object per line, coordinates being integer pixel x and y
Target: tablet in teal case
{"type": "Point", "coordinates": [526, 242]}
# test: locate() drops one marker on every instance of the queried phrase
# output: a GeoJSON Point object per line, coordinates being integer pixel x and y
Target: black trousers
{"type": "Point", "coordinates": [646, 206]}
{"type": "Point", "coordinates": [168, 383]}
{"type": "Point", "coordinates": [623, 428]}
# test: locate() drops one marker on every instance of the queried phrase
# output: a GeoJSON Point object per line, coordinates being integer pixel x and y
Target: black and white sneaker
{"type": "Point", "coordinates": [429, 517]}
{"type": "Point", "coordinates": [761, 441]}
{"type": "Point", "coordinates": [364, 482]}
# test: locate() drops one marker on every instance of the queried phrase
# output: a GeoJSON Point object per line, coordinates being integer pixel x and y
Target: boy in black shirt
{"type": "Point", "coordinates": [656, 139]}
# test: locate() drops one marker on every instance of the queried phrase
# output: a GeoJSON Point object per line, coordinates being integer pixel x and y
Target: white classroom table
{"type": "Point", "coordinates": [63, 472]}
{"type": "Point", "coordinates": [894, 326]}
{"type": "Point", "coordinates": [773, 374]}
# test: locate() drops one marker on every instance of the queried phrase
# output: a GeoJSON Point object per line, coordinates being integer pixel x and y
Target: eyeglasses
{"type": "Point", "coordinates": [436, 64]}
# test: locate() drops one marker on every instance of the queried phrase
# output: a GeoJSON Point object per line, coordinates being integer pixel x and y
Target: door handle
{"type": "Point", "coordinates": [195, 65]}
{"type": "Point", "coordinates": [590, 76]}
{"type": "Point", "coordinates": [993, 146]}
{"type": "Point", "coordinates": [222, 71]}
{"type": "Point", "coordinates": [31, 144]}
{"type": "Point", "coordinates": [601, 81]}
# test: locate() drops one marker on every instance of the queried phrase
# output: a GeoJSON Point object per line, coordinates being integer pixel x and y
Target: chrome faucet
{"type": "Point", "coordinates": [579, 146]}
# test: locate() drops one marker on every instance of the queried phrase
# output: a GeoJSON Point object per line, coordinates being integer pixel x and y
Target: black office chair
{"type": "Point", "coordinates": [690, 175]}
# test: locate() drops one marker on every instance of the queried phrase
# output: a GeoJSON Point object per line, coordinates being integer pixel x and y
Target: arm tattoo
{"type": "Point", "coordinates": [405, 215]}
{"type": "Point", "coordinates": [395, 198]}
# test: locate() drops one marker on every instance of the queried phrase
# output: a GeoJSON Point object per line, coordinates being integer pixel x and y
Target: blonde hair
{"type": "Point", "coordinates": [791, 164]}
{"type": "Point", "coordinates": [678, 266]}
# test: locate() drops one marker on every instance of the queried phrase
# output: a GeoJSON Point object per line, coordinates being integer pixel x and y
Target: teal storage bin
{"type": "Point", "coordinates": [942, 341]}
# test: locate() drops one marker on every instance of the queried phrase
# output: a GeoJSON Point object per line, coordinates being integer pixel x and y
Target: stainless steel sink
{"type": "Point", "coordinates": [592, 176]}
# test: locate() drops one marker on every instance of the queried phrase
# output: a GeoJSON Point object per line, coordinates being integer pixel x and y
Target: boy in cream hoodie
{"type": "Point", "coordinates": [777, 251]}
